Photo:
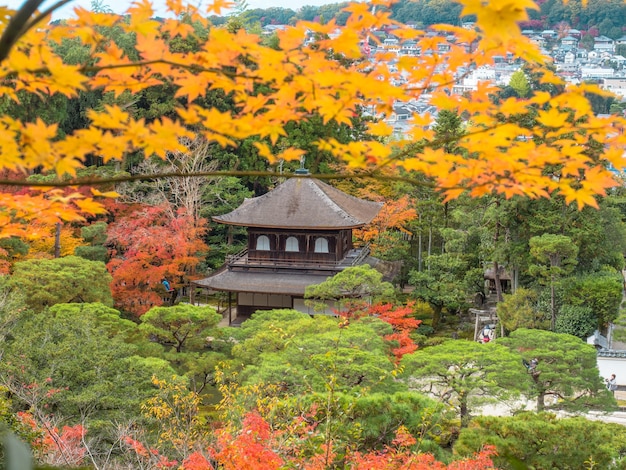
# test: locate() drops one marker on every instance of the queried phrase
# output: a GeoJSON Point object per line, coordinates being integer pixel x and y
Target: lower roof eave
{"type": "Point", "coordinates": [281, 283]}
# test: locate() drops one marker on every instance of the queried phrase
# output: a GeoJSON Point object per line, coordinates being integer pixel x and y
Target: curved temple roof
{"type": "Point", "coordinates": [303, 203]}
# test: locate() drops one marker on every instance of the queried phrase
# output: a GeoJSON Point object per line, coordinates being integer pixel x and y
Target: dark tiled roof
{"type": "Point", "coordinates": [303, 203]}
{"type": "Point", "coordinates": [288, 283]}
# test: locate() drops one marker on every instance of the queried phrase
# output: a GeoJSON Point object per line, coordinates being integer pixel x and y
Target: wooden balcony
{"type": "Point", "coordinates": [296, 261]}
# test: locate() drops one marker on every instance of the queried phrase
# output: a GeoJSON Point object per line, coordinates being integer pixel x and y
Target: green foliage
{"type": "Point", "coordinates": [46, 282]}
{"type": "Point", "coordinates": [544, 441]}
{"type": "Point", "coordinates": [304, 354]}
{"type": "Point", "coordinates": [599, 292]}
{"type": "Point", "coordinates": [359, 282]}
{"type": "Point", "coordinates": [370, 421]}
{"type": "Point", "coordinates": [518, 310]}
{"type": "Point", "coordinates": [576, 320]}
{"type": "Point", "coordinates": [182, 327]}
{"type": "Point", "coordinates": [14, 247]}
{"type": "Point", "coordinates": [520, 84]}
{"type": "Point", "coordinates": [557, 257]}
{"type": "Point", "coordinates": [567, 370]}
{"type": "Point", "coordinates": [427, 12]}
{"type": "Point", "coordinates": [556, 253]}
{"type": "Point", "coordinates": [220, 196]}
{"type": "Point", "coordinates": [93, 253]}
{"type": "Point", "coordinates": [190, 340]}
{"type": "Point", "coordinates": [110, 322]}
{"type": "Point", "coordinates": [465, 374]}
{"type": "Point", "coordinates": [442, 284]}
{"type": "Point", "coordinates": [95, 235]}
{"type": "Point", "coordinates": [12, 307]}
{"type": "Point", "coordinates": [72, 362]}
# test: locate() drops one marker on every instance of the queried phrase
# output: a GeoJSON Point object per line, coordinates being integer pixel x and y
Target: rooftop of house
{"type": "Point", "coordinates": [302, 202]}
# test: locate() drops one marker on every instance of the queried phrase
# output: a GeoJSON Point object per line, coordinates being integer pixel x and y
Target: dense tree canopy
{"type": "Point", "coordinates": [267, 97]}
{"type": "Point", "coordinates": [546, 441]}
{"type": "Point", "coordinates": [122, 134]}
{"type": "Point", "coordinates": [46, 282]}
{"type": "Point", "coordinates": [75, 367]}
{"type": "Point", "coordinates": [301, 354]}
{"type": "Point", "coordinates": [465, 374]}
{"type": "Point", "coordinates": [567, 370]}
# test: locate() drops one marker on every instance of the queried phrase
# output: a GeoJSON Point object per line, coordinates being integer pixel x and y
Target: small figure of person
{"type": "Point", "coordinates": [611, 384]}
{"type": "Point", "coordinates": [173, 293]}
{"type": "Point", "coordinates": [531, 366]}
{"type": "Point", "coordinates": [486, 334]}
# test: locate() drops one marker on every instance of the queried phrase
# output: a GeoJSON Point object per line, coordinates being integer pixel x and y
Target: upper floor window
{"type": "Point", "coordinates": [321, 245]}
{"type": "Point", "coordinates": [292, 244]}
{"type": "Point", "coordinates": [263, 243]}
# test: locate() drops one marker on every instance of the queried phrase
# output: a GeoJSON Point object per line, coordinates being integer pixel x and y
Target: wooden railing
{"type": "Point", "coordinates": [353, 258]}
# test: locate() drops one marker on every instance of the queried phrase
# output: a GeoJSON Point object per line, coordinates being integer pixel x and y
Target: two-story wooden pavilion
{"type": "Point", "coordinates": [299, 234]}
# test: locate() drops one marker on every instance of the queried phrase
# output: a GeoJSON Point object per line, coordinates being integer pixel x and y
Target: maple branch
{"type": "Point", "coordinates": [204, 174]}
{"type": "Point", "coordinates": [43, 15]}
{"type": "Point", "coordinates": [19, 24]}
{"type": "Point", "coordinates": [16, 27]}
{"type": "Point", "coordinates": [192, 67]}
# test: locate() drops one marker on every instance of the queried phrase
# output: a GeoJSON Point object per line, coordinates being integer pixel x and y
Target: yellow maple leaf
{"type": "Point", "coordinates": [190, 86]}
{"type": "Point", "coordinates": [291, 154]}
{"type": "Point", "coordinates": [498, 19]}
{"type": "Point", "coordinates": [553, 118]}
{"type": "Point", "coordinates": [264, 150]}
{"type": "Point", "coordinates": [113, 117]}
{"type": "Point", "coordinates": [164, 137]}
{"type": "Point", "coordinates": [291, 38]}
{"type": "Point", "coordinates": [89, 206]}
{"type": "Point", "coordinates": [108, 194]}
{"type": "Point", "coordinates": [141, 22]}
{"type": "Point", "coordinates": [216, 6]}
{"type": "Point", "coordinates": [380, 128]}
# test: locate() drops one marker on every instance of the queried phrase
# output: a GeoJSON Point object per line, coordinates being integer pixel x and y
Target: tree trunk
{"type": "Point", "coordinates": [541, 395]}
{"type": "Point", "coordinates": [419, 252]}
{"type": "Point", "coordinates": [541, 401]}
{"type": "Point", "coordinates": [436, 316]}
{"type": "Point", "coordinates": [57, 241]}
{"type": "Point", "coordinates": [552, 305]}
{"type": "Point", "coordinates": [496, 266]}
{"type": "Point", "coordinates": [465, 417]}
{"type": "Point", "coordinates": [430, 239]}
{"type": "Point", "coordinates": [496, 279]}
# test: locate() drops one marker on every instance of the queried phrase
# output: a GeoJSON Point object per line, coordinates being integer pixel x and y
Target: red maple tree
{"type": "Point", "coordinates": [148, 245]}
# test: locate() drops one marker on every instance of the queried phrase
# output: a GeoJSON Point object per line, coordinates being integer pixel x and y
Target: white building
{"type": "Point", "coordinates": [616, 85]}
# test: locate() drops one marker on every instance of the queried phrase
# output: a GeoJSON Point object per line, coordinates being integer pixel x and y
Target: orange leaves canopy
{"type": "Point", "coordinates": [497, 154]}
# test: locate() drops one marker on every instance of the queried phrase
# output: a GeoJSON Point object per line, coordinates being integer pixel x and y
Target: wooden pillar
{"type": "Point", "coordinates": [230, 309]}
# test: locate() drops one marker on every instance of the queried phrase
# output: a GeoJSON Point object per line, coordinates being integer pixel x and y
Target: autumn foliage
{"type": "Point", "coordinates": [549, 143]}
{"type": "Point", "coordinates": [256, 446]}
{"type": "Point", "coordinates": [400, 317]}
{"type": "Point", "coordinates": [147, 245]}
{"type": "Point", "coordinates": [63, 446]}
{"type": "Point", "coordinates": [299, 78]}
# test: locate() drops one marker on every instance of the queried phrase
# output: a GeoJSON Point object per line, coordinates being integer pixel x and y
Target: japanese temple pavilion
{"type": "Point", "coordinates": [299, 234]}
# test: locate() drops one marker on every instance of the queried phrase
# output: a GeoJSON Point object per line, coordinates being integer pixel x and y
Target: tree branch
{"type": "Point", "coordinates": [20, 24]}
{"type": "Point", "coordinates": [15, 29]}
{"type": "Point", "coordinates": [204, 174]}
